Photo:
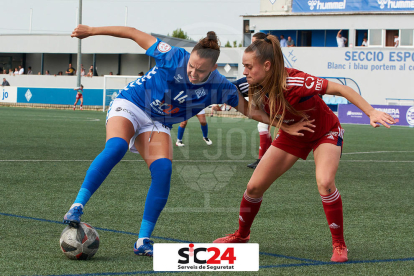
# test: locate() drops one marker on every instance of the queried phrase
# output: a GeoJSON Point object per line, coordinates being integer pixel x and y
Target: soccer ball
{"type": "Point", "coordinates": [80, 243]}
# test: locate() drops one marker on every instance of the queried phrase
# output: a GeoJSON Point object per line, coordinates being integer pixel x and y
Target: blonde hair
{"type": "Point", "coordinates": [274, 84]}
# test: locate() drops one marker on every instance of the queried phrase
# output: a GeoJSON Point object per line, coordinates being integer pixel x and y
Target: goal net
{"type": "Point", "coordinates": [112, 85]}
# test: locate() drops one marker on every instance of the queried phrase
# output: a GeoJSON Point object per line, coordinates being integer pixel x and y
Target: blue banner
{"type": "Point", "coordinates": [57, 96]}
{"type": "Point", "coordinates": [321, 6]}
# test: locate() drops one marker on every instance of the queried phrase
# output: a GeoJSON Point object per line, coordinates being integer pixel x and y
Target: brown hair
{"type": "Point", "coordinates": [274, 84]}
{"type": "Point", "coordinates": [208, 47]}
{"type": "Point", "coordinates": [260, 35]}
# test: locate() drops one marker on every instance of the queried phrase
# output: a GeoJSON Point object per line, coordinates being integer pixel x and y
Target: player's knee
{"type": "Point", "coordinates": [161, 170]}
{"type": "Point", "coordinates": [325, 183]}
{"type": "Point", "coordinates": [255, 191]}
{"type": "Point", "coordinates": [183, 124]}
{"type": "Point", "coordinates": [116, 148]}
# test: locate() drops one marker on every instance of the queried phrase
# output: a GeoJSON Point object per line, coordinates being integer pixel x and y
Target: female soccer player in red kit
{"type": "Point", "coordinates": [289, 96]}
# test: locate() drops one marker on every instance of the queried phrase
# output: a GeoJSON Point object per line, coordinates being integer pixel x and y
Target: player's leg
{"type": "Point", "coordinates": [120, 128]}
{"type": "Point", "coordinates": [204, 126]}
{"type": "Point", "coordinates": [265, 142]}
{"type": "Point", "coordinates": [158, 155]}
{"type": "Point", "coordinates": [76, 102]}
{"type": "Point", "coordinates": [327, 158]}
{"type": "Point", "coordinates": [180, 134]}
{"type": "Point", "coordinates": [81, 105]}
{"type": "Point", "coordinates": [274, 163]}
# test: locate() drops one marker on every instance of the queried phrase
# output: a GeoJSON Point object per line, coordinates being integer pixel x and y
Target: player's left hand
{"type": "Point", "coordinates": [377, 117]}
{"type": "Point", "coordinates": [82, 31]}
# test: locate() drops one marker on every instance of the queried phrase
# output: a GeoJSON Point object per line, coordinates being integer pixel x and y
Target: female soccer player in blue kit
{"type": "Point", "coordinates": [140, 118]}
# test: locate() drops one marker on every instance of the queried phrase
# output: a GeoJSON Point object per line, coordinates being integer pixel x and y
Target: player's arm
{"type": "Point", "coordinates": [375, 116]}
{"type": "Point", "coordinates": [261, 116]}
{"type": "Point", "coordinates": [144, 40]}
{"type": "Point", "coordinates": [339, 33]}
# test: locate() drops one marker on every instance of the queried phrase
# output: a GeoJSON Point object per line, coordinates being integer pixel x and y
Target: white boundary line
{"type": "Point", "coordinates": [368, 152]}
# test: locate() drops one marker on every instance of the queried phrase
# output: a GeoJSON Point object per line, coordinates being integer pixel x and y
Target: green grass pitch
{"type": "Point", "coordinates": [44, 155]}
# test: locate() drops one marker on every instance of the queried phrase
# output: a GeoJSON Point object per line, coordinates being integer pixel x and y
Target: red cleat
{"type": "Point", "coordinates": [233, 238]}
{"type": "Point", "coordinates": [340, 253]}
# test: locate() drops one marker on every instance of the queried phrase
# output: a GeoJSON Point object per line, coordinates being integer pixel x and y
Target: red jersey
{"type": "Point", "coordinates": [302, 93]}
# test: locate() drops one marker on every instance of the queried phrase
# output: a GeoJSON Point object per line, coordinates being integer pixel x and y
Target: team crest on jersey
{"type": "Point", "coordinates": [200, 92]}
{"type": "Point", "coordinates": [163, 47]}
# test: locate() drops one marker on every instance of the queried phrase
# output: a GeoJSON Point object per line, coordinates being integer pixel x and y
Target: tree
{"type": "Point", "coordinates": [235, 43]}
{"type": "Point", "coordinates": [179, 33]}
{"type": "Point", "coordinates": [240, 45]}
{"type": "Point", "coordinates": [228, 44]}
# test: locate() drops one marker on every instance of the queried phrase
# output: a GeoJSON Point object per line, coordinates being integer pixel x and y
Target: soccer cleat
{"type": "Point", "coordinates": [145, 249]}
{"type": "Point", "coordinates": [233, 238]}
{"type": "Point", "coordinates": [81, 108]}
{"type": "Point", "coordinates": [208, 141]}
{"type": "Point", "coordinates": [254, 164]}
{"type": "Point", "coordinates": [179, 143]}
{"type": "Point", "coordinates": [340, 253]}
{"type": "Point", "coordinates": [74, 108]}
{"type": "Point", "coordinates": [73, 216]}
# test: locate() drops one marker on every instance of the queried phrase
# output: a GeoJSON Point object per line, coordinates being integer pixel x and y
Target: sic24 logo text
{"type": "Point", "coordinates": [206, 257]}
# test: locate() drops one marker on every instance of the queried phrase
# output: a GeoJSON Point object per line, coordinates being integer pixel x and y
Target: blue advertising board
{"type": "Point", "coordinates": [350, 114]}
{"type": "Point", "coordinates": [320, 6]}
{"type": "Point", "coordinates": [57, 96]}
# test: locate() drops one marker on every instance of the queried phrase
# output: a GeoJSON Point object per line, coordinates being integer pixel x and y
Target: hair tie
{"type": "Point", "coordinates": [267, 40]}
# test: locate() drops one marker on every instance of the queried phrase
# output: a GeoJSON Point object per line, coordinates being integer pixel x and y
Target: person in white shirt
{"type": "Point", "coordinates": [283, 42]}
{"type": "Point", "coordinates": [364, 42]}
{"type": "Point", "coordinates": [340, 39]}
{"type": "Point", "coordinates": [21, 70]}
{"type": "Point", "coordinates": [396, 41]}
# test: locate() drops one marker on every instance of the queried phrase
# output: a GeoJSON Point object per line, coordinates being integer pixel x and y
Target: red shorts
{"type": "Point", "coordinates": [79, 96]}
{"type": "Point", "coordinates": [300, 149]}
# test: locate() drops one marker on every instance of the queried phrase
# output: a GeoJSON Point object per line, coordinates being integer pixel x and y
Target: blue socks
{"type": "Point", "coordinates": [180, 133]}
{"type": "Point", "coordinates": [157, 196]}
{"type": "Point", "coordinates": [204, 129]}
{"type": "Point", "coordinates": [115, 149]}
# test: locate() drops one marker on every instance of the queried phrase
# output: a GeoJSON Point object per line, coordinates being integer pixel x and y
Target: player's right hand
{"type": "Point", "coordinates": [81, 31]}
{"type": "Point", "coordinates": [297, 128]}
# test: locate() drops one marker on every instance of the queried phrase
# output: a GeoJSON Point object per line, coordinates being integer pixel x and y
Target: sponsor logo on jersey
{"type": "Point", "coordinates": [200, 92]}
{"type": "Point", "coordinates": [118, 109]}
{"type": "Point", "coordinates": [319, 84]}
{"type": "Point", "coordinates": [163, 47]}
{"type": "Point", "coordinates": [178, 78]}
{"type": "Point", "coordinates": [310, 82]}
{"type": "Point", "coordinates": [295, 81]}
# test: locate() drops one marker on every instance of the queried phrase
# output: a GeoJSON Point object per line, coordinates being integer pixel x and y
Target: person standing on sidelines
{"type": "Point", "coordinates": [141, 116]}
{"type": "Point", "coordinates": [201, 116]}
{"type": "Point", "coordinates": [289, 96]}
{"type": "Point", "coordinates": [79, 95]}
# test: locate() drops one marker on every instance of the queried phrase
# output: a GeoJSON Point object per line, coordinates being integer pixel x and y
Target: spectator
{"type": "Point", "coordinates": [39, 73]}
{"type": "Point", "coordinates": [82, 71]}
{"type": "Point", "coordinates": [29, 71]}
{"type": "Point", "coordinates": [90, 73]}
{"type": "Point", "coordinates": [5, 82]}
{"type": "Point", "coordinates": [10, 72]}
{"type": "Point", "coordinates": [60, 73]}
{"type": "Point", "coordinates": [93, 73]}
{"type": "Point", "coordinates": [140, 74]}
{"type": "Point", "coordinates": [5, 71]}
{"type": "Point", "coordinates": [290, 42]}
{"type": "Point", "coordinates": [283, 42]}
{"type": "Point", "coordinates": [340, 39]}
{"type": "Point", "coordinates": [110, 73]}
{"type": "Point", "coordinates": [47, 73]}
{"type": "Point", "coordinates": [16, 72]}
{"type": "Point", "coordinates": [70, 71]}
{"type": "Point", "coordinates": [364, 42]}
{"type": "Point", "coordinates": [396, 41]}
{"type": "Point", "coordinates": [21, 70]}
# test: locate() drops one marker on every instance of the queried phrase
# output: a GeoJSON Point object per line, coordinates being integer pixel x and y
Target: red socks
{"type": "Point", "coordinates": [249, 207]}
{"type": "Point", "coordinates": [265, 142]}
{"type": "Point", "coordinates": [332, 205]}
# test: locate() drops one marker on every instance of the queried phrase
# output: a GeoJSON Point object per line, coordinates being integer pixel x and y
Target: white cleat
{"type": "Point", "coordinates": [208, 141]}
{"type": "Point", "coordinates": [179, 143]}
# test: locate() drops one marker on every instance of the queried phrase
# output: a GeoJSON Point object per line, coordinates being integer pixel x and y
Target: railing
{"type": "Point", "coordinates": [394, 101]}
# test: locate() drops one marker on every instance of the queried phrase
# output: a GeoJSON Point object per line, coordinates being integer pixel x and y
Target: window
{"type": "Point", "coordinates": [390, 37]}
{"type": "Point", "coordinates": [406, 37]}
{"type": "Point", "coordinates": [375, 37]}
